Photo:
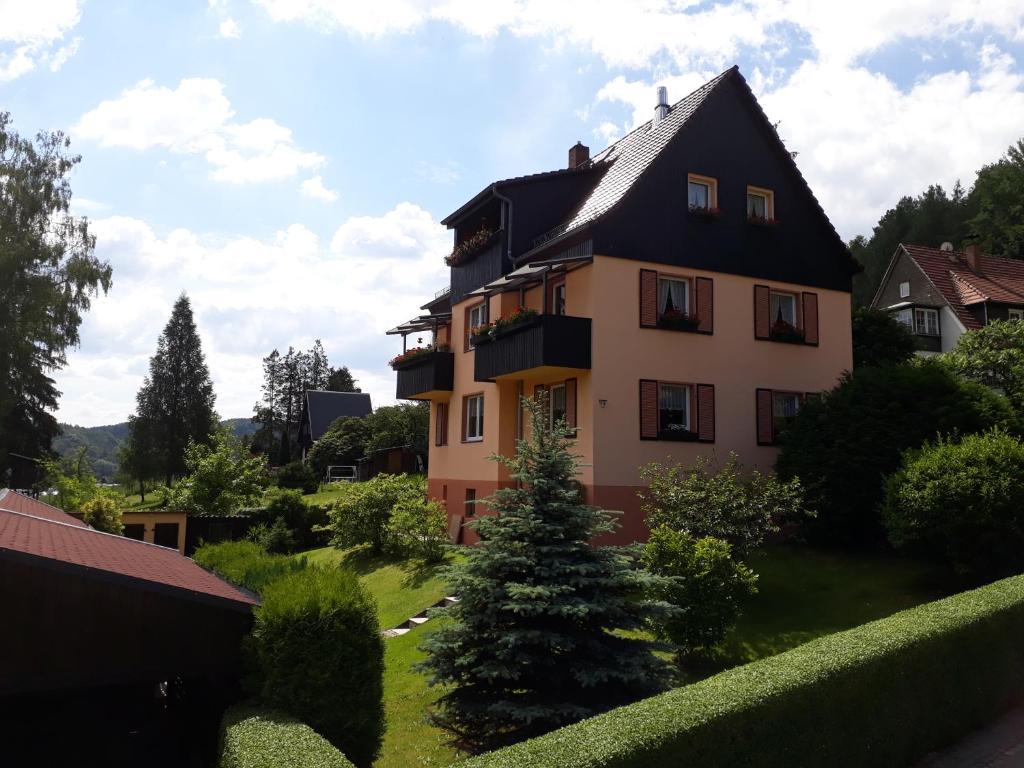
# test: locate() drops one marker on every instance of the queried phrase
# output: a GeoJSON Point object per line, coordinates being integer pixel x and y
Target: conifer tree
{"type": "Point", "coordinates": [530, 645]}
{"type": "Point", "coordinates": [175, 404]}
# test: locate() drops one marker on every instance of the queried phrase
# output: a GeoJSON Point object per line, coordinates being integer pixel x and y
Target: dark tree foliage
{"type": "Point", "coordinates": [530, 645]}
{"type": "Point", "coordinates": [48, 276]}
{"type": "Point", "coordinates": [343, 443]}
{"type": "Point", "coordinates": [340, 380]}
{"type": "Point", "coordinates": [399, 425]}
{"type": "Point", "coordinates": [878, 338]}
{"type": "Point", "coordinates": [998, 199]}
{"type": "Point", "coordinates": [843, 444]}
{"type": "Point", "coordinates": [175, 404]}
{"type": "Point", "coordinates": [931, 218]}
{"type": "Point", "coordinates": [138, 457]}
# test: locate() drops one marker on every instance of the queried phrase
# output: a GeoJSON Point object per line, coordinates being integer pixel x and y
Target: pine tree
{"type": "Point", "coordinates": [176, 401]}
{"type": "Point", "coordinates": [319, 370]}
{"type": "Point", "coordinates": [266, 413]}
{"type": "Point", "coordinates": [340, 380]}
{"type": "Point", "coordinates": [530, 644]}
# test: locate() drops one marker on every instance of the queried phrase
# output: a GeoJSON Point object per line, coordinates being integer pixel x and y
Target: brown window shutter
{"type": "Point", "coordinates": [648, 409]}
{"type": "Point", "coordinates": [570, 405]}
{"type": "Point", "coordinates": [765, 418]}
{"type": "Point", "coordinates": [438, 424]}
{"type": "Point", "coordinates": [810, 303]}
{"type": "Point", "coordinates": [648, 298]}
{"type": "Point", "coordinates": [762, 312]}
{"type": "Point", "coordinates": [465, 407]}
{"type": "Point", "coordinates": [706, 413]}
{"type": "Point", "coordinates": [705, 304]}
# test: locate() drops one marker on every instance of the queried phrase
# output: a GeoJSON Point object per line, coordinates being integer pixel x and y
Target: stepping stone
{"type": "Point", "coordinates": [417, 620]}
{"type": "Point", "coordinates": [395, 632]}
{"type": "Point", "coordinates": [452, 600]}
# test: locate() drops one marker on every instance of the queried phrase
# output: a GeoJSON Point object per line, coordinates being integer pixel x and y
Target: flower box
{"type": "Point", "coordinates": [414, 355]}
{"type": "Point", "coordinates": [676, 320]}
{"type": "Point", "coordinates": [680, 435]}
{"type": "Point", "coordinates": [701, 212]}
{"type": "Point", "coordinates": [762, 221]}
{"type": "Point", "coordinates": [518, 318]}
{"type": "Point", "coordinates": [471, 247]}
{"type": "Point", "coordinates": [783, 331]}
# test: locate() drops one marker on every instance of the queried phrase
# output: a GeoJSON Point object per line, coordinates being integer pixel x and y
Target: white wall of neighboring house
{"type": "Point", "coordinates": [951, 328]}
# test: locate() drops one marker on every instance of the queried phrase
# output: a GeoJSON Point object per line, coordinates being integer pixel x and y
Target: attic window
{"type": "Point", "coordinates": [905, 289]}
{"type": "Point", "coordinates": [701, 193]}
{"type": "Point", "coordinates": [760, 205]}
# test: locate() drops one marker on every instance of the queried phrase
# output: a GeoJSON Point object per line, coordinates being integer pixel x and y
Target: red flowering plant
{"type": "Point", "coordinates": [705, 211]}
{"type": "Point", "coordinates": [416, 352]}
{"type": "Point", "coordinates": [470, 247]}
{"type": "Point", "coordinates": [676, 319]}
{"type": "Point", "coordinates": [482, 333]}
{"type": "Point", "coordinates": [517, 316]}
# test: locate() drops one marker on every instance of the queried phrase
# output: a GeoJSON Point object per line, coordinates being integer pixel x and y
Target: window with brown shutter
{"type": "Point", "coordinates": [762, 312]}
{"type": "Point", "coordinates": [648, 409]}
{"type": "Point", "coordinates": [676, 411]}
{"type": "Point", "coordinates": [705, 302]}
{"type": "Point", "coordinates": [775, 409]}
{"type": "Point", "coordinates": [648, 298]}
{"type": "Point", "coordinates": [810, 307]}
{"type": "Point", "coordinates": [441, 425]}
{"type": "Point", "coordinates": [705, 412]}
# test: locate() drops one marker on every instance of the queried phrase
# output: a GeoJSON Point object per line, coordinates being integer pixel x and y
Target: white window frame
{"type": "Point", "coordinates": [773, 316]}
{"type": "Point", "coordinates": [764, 199]}
{"type": "Point", "coordinates": [551, 403]}
{"type": "Point", "coordinates": [707, 194]}
{"type": "Point", "coordinates": [686, 292]}
{"type": "Point", "coordinates": [906, 317]}
{"type": "Point", "coordinates": [905, 289]}
{"type": "Point", "coordinates": [1015, 314]}
{"type": "Point", "coordinates": [922, 326]}
{"type": "Point", "coordinates": [479, 311]}
{"type": "Point", "coordinates": [688, 418]}
{"type": "Point", "coordinates": [474, 419]}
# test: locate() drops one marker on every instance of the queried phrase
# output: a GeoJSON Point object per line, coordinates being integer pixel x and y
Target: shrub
{"type": "Point", "coordinates": [318, 653]}
{"type": "Point", "coordinates": [843, 444]}
{"type": "Point", "coordinates": [993, 356]}
{"type": "Point", "coordinates": [704, 583]}
{"type": "Point", "coordinates": [222, 478]}
{"type": "Point", "coordinates": [263, 738]}
{"type": "Point", "coordinates": [103, 514]}
{"type": "Point", "coordinates": [880, 339]}
{"type": "Point", "coordinates": [941, 669]}
{"type": "Point", "coordinates": [298, 475]}
{"type": "Point", "coordinates": [419, 527]}
{"type": "Point", "coordinates": [276, 538]}
{"type": "Point", "coordinates": [343, 443]}
{"type": "Point", "coordinates": [962, 503]}
{"type": "Point", "coordinates": [363, 514]}
{"type": "Point", "coordinates": [726, 504]}
{"type": "Point", "coordinates": [299, 517]}
{"type": "Point", "coordinates": [246, 563]}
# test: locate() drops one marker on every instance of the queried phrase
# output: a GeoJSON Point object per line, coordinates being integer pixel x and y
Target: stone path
{"type": "Point", "coordinates": [419, 618]}
{"type": "Point", "coordinates": [1000, 745]}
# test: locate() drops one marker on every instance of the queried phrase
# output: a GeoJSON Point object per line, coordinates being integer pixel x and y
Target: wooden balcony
{"type": "Point", "coordinates": [547, 341]}
{"type": "Point", "coordinates": [426, 377]}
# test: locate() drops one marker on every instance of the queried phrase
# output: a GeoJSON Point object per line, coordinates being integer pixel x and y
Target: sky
{"type": "Point", "coordinates": [286, 163]}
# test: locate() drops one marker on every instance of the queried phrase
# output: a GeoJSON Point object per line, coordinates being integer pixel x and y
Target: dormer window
{"type": "Point", "coordinates": [905, 289]}
{"type": "Point", "coordinates": [760, 205]}
{"type": "Point", "coordinates": [702, 193]}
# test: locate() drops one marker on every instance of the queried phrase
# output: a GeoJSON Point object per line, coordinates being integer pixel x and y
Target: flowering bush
{"type": "Point", "coordinates": [489, 331]}
{"type": "Point", "coordinates": [415, 352]}
{"type": "Point", "coordinates": [469, 247]}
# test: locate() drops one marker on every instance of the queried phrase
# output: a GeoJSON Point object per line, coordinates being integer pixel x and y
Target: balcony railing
{"type": "Point", "coordinates": [425, 376]}
{"type": "Point", "coordinates": [558, 341]}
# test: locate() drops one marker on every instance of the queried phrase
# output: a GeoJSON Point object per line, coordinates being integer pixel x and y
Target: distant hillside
{"type": "Point", "coordinates": [102, 443]}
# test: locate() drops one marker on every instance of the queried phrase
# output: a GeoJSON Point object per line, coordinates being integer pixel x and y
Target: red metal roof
{"type": "Point", "coordinates": [71, 542]}
{"type": "Point", "coordinates": [999, 280]}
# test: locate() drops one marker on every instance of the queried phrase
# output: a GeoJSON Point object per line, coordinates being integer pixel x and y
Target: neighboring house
{"type": "Point", "coordinates": [321, 408]}
{"type": "Point", "coordinates": [940, 293]}
{"type": "Point", "coordinates": [163, 527]}
{"type": "Point", "coordinates": [89, 611]}
{"type": "Point", "coordinates": [689, 292]}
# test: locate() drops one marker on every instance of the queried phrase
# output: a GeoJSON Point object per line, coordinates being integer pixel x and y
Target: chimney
{"type": "Point", "coordinates": [661, 109]}
{"type": "Point", "coordinates": [972, 256]}
{"type": "Point", "coordinates": [578, 155]}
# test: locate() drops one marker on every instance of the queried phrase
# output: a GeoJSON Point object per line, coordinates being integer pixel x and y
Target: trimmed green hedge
{"type": "Point", "coordinates": [265, 738]}
{"type": "Point", "coordinates": [882, 694]}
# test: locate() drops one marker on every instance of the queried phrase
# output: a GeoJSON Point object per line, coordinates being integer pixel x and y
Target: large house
{"type": "Point", "coordinates": [941, 293]}
{"type": "Point", "coordinates": [676, 295]}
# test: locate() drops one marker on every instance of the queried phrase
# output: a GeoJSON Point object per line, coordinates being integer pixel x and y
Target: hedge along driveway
{"type": "Point", "coordinates": [882, 694]}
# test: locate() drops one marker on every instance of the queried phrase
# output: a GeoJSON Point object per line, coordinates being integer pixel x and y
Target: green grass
{"type": "Point", "coordinates": [328, 493]}
{"type": "Point", "coordinates": [133, 502]}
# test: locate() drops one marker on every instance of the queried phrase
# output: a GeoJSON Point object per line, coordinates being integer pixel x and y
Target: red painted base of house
{"type": "Point", "coordinates": [622, 499]}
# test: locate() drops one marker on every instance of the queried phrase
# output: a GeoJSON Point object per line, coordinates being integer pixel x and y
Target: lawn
{"type": "Point", "coordinates": [803, 593]}
{"type": "Point", "coordinates": [326, 494]}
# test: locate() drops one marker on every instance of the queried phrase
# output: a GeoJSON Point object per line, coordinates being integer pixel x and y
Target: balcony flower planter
{"type": "Point", "coordinates": [471, 247]}
{"type": "Point", "coordinates": [783, 331]}
{"type": "Point", "coordinates": [415, 355]}
{"type": "Point", "coordinates": [519, 318]}
{"type": "Point", "coordinates": [762, 221]}
{"type": "Point", "coordinates": [700, 212]}
{"type": "Point", "coordinates": [676, 320]}
{"type": "Point", "coordinates": [680, 435]}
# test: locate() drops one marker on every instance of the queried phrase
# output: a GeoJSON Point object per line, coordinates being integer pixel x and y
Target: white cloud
{"type": "Point", "coordinates": [315, 189]}
{"type": "Point", "coordinates": [31, 33]}
{"type": "Point", "coordinates": [196, 118]}
{"type": "Point", "coordinates": [249, 296]}
{"type": "Point", "coordinates": [65, 52]}
{"type": "Point", "coordinates": [229, 29]}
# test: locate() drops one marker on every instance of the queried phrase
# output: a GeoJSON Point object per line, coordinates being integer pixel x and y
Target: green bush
{"type": "Point", "coordinates": [221, 477]}
{"type": "Point", "coordinates": [883, 694]}
{"type": "Point", "coordinates": [298, 475]}
{"type": "Point", "coordinates": [726, 503]}
{"type": "Point", "coordinates": [843, 444]}
{"type": "Point", "coordinates": [363, 514]}
{"type": "Point", "coordinates": [880, 339]}
{"type": "Point", "coordinates": [962, 502]}
{"type": "Point", "coordinates": [318, 654]}
{"type": "Point", "coordinates": [246, 563]}
{"type": "Point", "coordinates": [300, 518]}
{"type": "Point", "coordinates": [103, 514]}
{"type": "Point", "coordinates": [277, 538]}
{"type": "Point", "coordinates": [704, 583]}
{"type": "Point", "coordinates": [419, 527]}
{"type": "Point", "coordinates": [263, 738]}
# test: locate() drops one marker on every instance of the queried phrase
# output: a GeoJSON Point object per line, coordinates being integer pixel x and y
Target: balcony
{"type": "Point", "coordinates": [426, 377]}
{"type": "Point", "coordinates": [546, 341]}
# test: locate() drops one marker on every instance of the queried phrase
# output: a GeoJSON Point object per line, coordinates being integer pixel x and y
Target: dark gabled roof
{"type": "Point", "coordinates": [323, 407]}
{"type": "Point", "coordinates": [32, 530]}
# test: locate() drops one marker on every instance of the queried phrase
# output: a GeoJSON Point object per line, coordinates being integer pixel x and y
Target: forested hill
{"type": "Point", "coordinates": [103, 442]}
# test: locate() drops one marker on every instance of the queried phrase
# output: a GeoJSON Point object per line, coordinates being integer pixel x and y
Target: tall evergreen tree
{"type": "Point", "coordinates": [48, 276]}
{"type": "Point", "coordinates": [998, 199]}
{"type": "Point", "coordinates": [319, 370]}
{"type": "Point", "coordinates": [266, 413]}
{"type": "Point", "coordinates": [530, 644]}
{"type": "Point", "coordinates": [340, 380]}
{"type": "Point", "coordinates": [138, 457]}
{"type": "Point", "coordinates": [176, 401]}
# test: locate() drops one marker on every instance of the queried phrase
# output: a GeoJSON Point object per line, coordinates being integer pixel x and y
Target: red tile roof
{"type": "Point", "coordinates": [70, 542]}
{"type": "Point", "coordinates": [999, 280]}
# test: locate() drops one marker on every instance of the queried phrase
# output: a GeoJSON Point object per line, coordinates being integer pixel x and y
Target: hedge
{"type": "Point", "coordinates": [882, 694]}
{"type": "Point", "coordinates": [265, 738]}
